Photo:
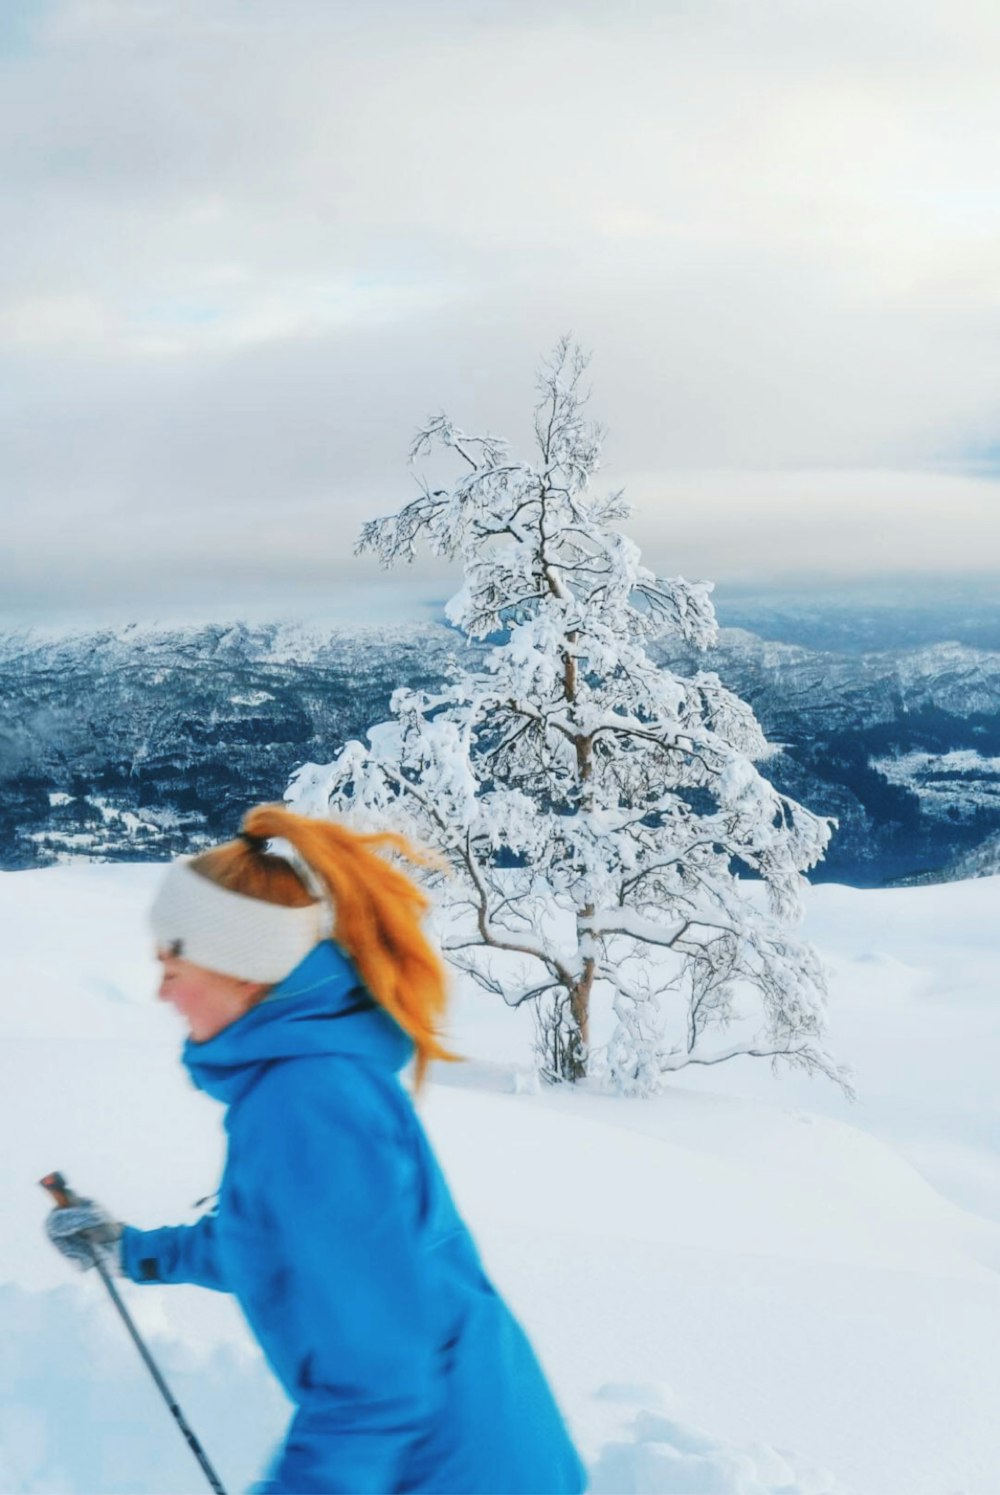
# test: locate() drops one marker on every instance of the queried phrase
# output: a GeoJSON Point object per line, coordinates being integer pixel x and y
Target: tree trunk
{"type": "Point", "coordinates": [564, 1032]}
{"type": "Point", "coordinates": [579, 1009]}
{"type": "Point", "coordinates": [572, 1050]}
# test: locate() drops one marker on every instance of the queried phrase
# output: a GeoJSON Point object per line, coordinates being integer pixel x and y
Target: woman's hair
{"type": "Point", "coordinates": [377, 908]}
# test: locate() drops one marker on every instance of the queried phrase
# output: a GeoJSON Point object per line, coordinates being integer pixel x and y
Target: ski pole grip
{"type": "Point", "coordinates": [59, 1189]}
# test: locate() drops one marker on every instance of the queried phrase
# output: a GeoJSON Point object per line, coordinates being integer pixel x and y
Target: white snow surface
{"type": "Point", "coordinates": [746, 1286]}
{"type": "Point", "coordinates": [961, 781]}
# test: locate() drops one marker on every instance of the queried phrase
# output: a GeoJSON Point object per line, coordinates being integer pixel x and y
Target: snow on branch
{"type": "Point", "coordinates": [605, 819]}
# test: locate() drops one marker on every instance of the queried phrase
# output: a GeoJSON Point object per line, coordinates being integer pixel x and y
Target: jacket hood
{"type": "Point", "coordinates": [321, 1007]}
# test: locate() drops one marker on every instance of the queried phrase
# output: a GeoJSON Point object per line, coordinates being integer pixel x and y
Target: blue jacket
{"type": "Point", "coordinates": [336, 1232]}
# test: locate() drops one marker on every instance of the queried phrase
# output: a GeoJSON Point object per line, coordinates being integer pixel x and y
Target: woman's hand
{"type": "Point", "coordinates": [83, 1232]}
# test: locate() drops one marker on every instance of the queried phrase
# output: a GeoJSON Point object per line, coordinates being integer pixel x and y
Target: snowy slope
{"type": "Point", "coordinates": [742, 1266]}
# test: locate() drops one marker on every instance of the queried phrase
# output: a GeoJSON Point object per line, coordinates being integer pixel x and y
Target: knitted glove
{"type": "Point", "coordinates": [84, 1230]}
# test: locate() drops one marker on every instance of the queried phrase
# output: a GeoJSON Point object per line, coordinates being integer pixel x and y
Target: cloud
{"type": "Point", "coordinates": [247, 247]}
{"type": "Point", "coordinates": [851, 523]}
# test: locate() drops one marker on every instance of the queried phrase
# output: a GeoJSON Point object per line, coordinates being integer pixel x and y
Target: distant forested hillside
{"type": "Point", "coordinates": [142, 742]}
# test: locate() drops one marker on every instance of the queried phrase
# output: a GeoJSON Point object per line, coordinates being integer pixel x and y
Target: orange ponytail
{"type": "Point", "coordinates": [377, 909]}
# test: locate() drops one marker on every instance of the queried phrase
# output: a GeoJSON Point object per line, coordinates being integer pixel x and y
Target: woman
{"type": "Point", "coordinates": [334, 1227]}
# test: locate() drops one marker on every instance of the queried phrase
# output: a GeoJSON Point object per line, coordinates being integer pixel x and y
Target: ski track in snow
{"type": "Point", "coordinates": [744, 1287]}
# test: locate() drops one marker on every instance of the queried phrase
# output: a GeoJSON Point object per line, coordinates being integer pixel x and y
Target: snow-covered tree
{"type": "Point", "coordinates": [606, 830]}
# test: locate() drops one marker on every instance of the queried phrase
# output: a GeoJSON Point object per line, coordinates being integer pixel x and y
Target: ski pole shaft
{"type": "Point", "coordinates": [64, 1197]}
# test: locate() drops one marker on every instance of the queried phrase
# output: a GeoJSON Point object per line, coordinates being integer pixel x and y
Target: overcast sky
{"type": "Point", "coordinates": [246, 246]}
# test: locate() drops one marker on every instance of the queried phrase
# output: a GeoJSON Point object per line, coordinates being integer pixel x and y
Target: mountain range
{"type": "Point", "coordinates": [142, 741]}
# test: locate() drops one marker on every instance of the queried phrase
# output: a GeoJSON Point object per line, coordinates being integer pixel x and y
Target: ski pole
{"type": "Point", "coordinates": [64, 1197]}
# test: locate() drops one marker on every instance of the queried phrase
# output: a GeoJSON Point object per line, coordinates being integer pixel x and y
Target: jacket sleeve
{"type": "Point", "coordinates": [339, 1190]}
{"type": "Point", "coordinates": [176, 1253]}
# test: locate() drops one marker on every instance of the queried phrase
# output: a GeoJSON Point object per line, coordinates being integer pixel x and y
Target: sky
{"type": "Point", "coordinates": [248, 246]}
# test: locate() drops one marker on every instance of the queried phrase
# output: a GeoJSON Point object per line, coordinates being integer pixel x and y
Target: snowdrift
{"type": "Point", "coordinates": [744, 1287]}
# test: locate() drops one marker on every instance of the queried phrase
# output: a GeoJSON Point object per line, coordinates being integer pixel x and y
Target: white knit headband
{"type": "Point", "coordinates": [197, 920]}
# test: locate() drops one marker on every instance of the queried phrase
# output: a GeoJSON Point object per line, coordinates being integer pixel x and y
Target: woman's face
{"type": "Point", "coordinates": [207, 1000]}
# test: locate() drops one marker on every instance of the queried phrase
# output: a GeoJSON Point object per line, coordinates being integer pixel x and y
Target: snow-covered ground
{"type": "Point", "coordinates": [953, 785]}
{"type": "Point", "coordinates": [746, 1286]}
